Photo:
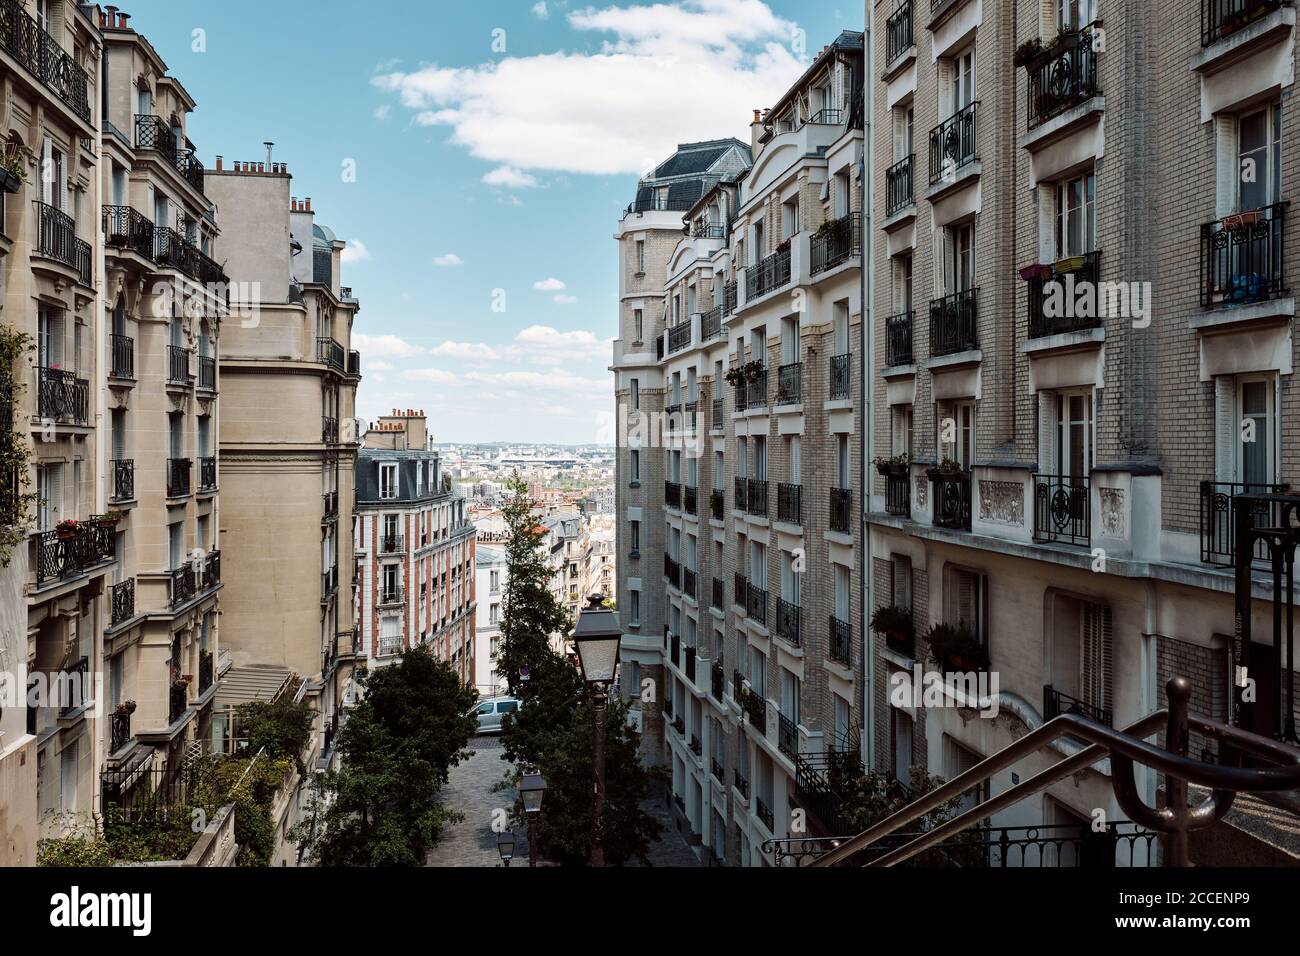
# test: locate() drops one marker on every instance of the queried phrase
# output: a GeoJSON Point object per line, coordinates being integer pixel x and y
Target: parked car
{"type": "Point", "coordinates": [489, 713]}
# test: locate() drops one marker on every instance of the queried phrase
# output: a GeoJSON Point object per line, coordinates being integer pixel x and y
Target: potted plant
{"type": "Point", "coordinates": [1035, 270]}
{"type": "Point", "coordinates": [1028, 51]}
{"type": "Point", "coordinates": [182, 682]}
{"type": "Point", "coordinates": [946, 469]}
{"type": "Point", "coordinates": [125, 709]}
{"type": "Point", "coordinates": [66, 529]}
{"type": "Point", "coordinates": [13, 172]}
{"type": "Point", "coordinates": [895, 466]}
{"type": "Point", "coordinates": [783, 246]}
{"type": "Point", "coordinates": [894, 624]}
{"type": "Point", "coordinates": [954, 647]}
{"type": "Point", "coordinates": [109, 518]}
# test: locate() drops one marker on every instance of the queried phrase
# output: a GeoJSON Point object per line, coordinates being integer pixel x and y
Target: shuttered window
{"type": "Point", "coordinates": [1095, 655]}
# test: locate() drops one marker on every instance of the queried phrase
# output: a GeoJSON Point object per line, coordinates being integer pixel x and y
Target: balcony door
{"type": "Point", "coordinates": [1258, 429]}
{"type": "Point", "coordinates": [958, 259]}
{"type": "Point", "coordinates": [961, 89]}
{"type": "Point", "coordinates": [1075, 14]}
{"type": "Point", "coordinates": [1074, 435]}
{"type": "Point", "coordinates": [1259, 158]}
{"type": "Point", "coordinates": [1076, 216]}
{"type": "Point", "coordinates": [902, 133]}
{"type": "Point", "coordinates": [49, 338]}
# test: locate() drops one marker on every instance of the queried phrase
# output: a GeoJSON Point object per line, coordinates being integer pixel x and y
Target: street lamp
{"type": "Point", "coordinates": [506, 845]}
{"type": "Point", "coordinates": [531, 790]}
{"type": "Point", "coordinates": [597, 636]}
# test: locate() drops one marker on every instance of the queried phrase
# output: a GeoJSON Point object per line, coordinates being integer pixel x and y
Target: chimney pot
{"type": "Point", "coordinates": [218, 164]}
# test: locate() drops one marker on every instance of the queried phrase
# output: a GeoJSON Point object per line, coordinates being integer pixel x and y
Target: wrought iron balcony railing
{"type": "Point", "coordinates": [1243, 257]}
{"type": "Point", "coordinates": [764, 813]}
{"type": "Point", "coordinates": [898, 494]}
{"type": "Point", "coordinates": [789, 381]}
{"type": "Point", "coordinates": [952, 505]}
{"type": "Point", "coordinates": [208, 473]}
{"type": "Point", "coordinates": [1062, 510]}
{"type": "Point", "coordinates": [1223, 18]}
{"type": "Point", "coordinates": [178, 365]}
{"type": "Point", "coordinates": [841, 510]}
{"type": "Point", "coordinates": [717, 504]}
{"type": "Point", "coordinates": [329, 430]}
{"type": "Point", "coordinates": [679, 337]}
{"type": "Point", "coordinates": [123, 488]}
{"type": "Point", "coordinates": [178, 477]}
{"type": "Point", "coordinates": [741, 783]}
{"type": "Point", "coordinates": [177, 702]}
{"type": "Point", "coordinates": [898, 32]}
{"type": "Point", "coordinates": [1219, 525]}
{"type": "Point", "coordinates": [153, 133]}
{"type": "Point", "coordinates": [122, 601]}
{"type": "Point", "coordinates": [757, 497]}
{"type": "Point", "coordinates": [729, 297]}
{"type": "Point", "coordinates": [205, 670]}
{"type": "Point", "coordinates": [756, 604]}
{"type": "Point", "coordinates": [953, 325]}
{"type": "Point", "coordinates": [789, 618]}
{"type": "Point", "coordinates": [716, 684]}
{"type": "Point", "coordinates": [207, 373]}
{"type": "Point", "coordinates": [392, 544]}
{"type": "Point", "coordinates": [62, 397]}
{"type": "Point", "coordinates": [672, 571]}
{"type": "Point", "coordinates": [835, 242]}
{"type": "Point", "coordinates": [60, 555]}
{"type": "Point", "coordinates": [1056, 703]}
{"type": "Point", "coordinates": [900, 188]}
{"type": "Point", "coordinates": [183, 586]}
{"type": "Point", "coordinates": [787, 736]}
{"type": "Point", "coordinates": [688, 582]}
{"type": "Point", "coordinates": [898, 338]}
{"type": "Point", "coordinates": [123, 352]}
{"type": "Point", "coordinates": [952, 143]}
{"type": "Point", "coordinates": [1066, 297]}
{"type": "Point", "coordinates": [769, 274]}
{"type": "Point", "coordinates": [711, 324]}
{"type": "Point", "coordinates": [789, 503]}
{"type": "Point", "coordinates": [28, 43]}
{"type": "Point", "coordinates": [1062, 76]}
{"type": "Point", "coordinates": [330, 352]}
{"type": "Point", "coordinates": [672, 494]}
{"type": "Point", "coordinates": [841, 641]}
{"type": "Point", "coordinates": [128, 228]}
{"type": "Point", "coordinates": [717, 420]}
{"type": "Point", "coordinates": [756, 390]}
{"type": "Point", "coordinates": [740, 591]}
{"type": "Point", "coordinates": [690, 499]}
{"type": "Point", "coordinates": [719, 595]}
{"type": "Point", "coordinates": [742, 493]}
{"type": "Point", "coordinates": [121, 731]}
{"type": "Point", "coordinates": [56, 235]}
{"type": "Point", "coordinates": [841, 377]}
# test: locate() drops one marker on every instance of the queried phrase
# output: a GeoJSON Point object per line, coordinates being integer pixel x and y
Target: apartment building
{"type": "Point", "coordinates": [1084, 355]}
{"type": "Point", "coordinates": [744, 419]}
{"type": "Point", "coordinates": [288, 439]}
{"type": "Point", "coordinates": [490, 571]}
{"type": "Point", "coordinates": [414, 550]}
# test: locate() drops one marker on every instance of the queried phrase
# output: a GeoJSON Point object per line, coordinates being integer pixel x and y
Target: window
{"type": "Point", "coordinates": [790, 217]}
{"type": "Point", "coordinates": [902, 580]}
{"type": "Point", "coordinates": [842, 593]}
{"type": "Point", "coordinates": [902, 430]}
{"type": "Point", "coordinates": [842, 461]}
{"type": "Point", "coordinates": [636, 536]}
{"type": "Point", "coordinates": [1259, 158]}
{"type": "Point", "coordinates": [1080, 654]}
{"type": "Point", "coordinates": [1076, 216]}
{"type": "Point", "coordinates": [790, 579]}
{"type": "Point", "coordinates": [961, 89]}
{"type": "Point", "coordinates": [638, 321]}
{"type": "Point", "coordinates": [634, 465]}
{"type": "Point", "coordinates": [494, 578]}
{"type": "Point", "coordinates": [1074, 435]}
{"type": "Point", "coordinates": [390, 638]}
{"type": "Point", "coordinates": [789, 696]}
{"type": "Point", "coordinates": [634, 608]}
{"type": "Point", "coordinates": [957, 760]}
{"type": "Point", "coordinates": [388, 479]}
{"type": "Point", "coordinates": [840, 320]}
{"type": "Point", "coordinates": [968, 601]}
{"type": "Point", "coordinates": [1074, 14]}
{"type": "Point", "coordinates": [635, 393]}
{"type": "Point", "coordinates": [958, 258]}
{"type": "Point", "coordinates": [640, 256]}
{"type": "Point", "coordinates": [900, 735]}
{"type": "Point", "coordinates": [494, 609]}
{"type": "Point", "coordinates": [902, 133]}
{"type": "Point", "coordinates": [957, 433]}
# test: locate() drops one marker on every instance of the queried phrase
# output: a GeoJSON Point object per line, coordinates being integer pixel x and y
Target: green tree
{"type": "Point", "coordinates": [382, 806]}
{"type": "Point", "coordinates": [554, 728]}
{"type": "Point", "coordinates": [281, 726]}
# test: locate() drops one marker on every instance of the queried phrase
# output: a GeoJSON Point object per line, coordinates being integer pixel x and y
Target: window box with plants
{"type": "Point", "coordinates": [66, 529]}
{"type": "Point", "coordinates": [954, 647]}
{"type": "Point", "coordinates": [13, 174]}
{"type": "Point", "coordinates": [108, 519]}
{"type": "Point", "coordinates": [895, 625]}
{"type": "Point", "coordinates": [945, 469]}
{"type": "Point", "coordinates": [739, 375]}
{"type": "Point", "coordinates": [895, 467]}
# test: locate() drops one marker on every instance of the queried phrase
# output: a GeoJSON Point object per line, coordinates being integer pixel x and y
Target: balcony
{"type": "Point", "coordinates": [841, 377]}
{"type": "Point", "coordinates": [756, 603]}
{"type": "Point", "coordinates": [764, 813]}
{"type": "Point", "coordinates": [719, 596]}
{"type": "Point", "coordinates": [740, 590]}
{"type": "Point", "coordinates": [62, 397]}
{"type": "Point", "coordinates": [127, 228]}
{"type": "Point", "coordinates": [900, 186]}
{"type": "Point", "coordinates": [1062, 510]}
{"type": "Point", "coordinates": [718, 770]}
{"type": "Point", "coordinates": [121, 732]}
{"type": "Point", "coordinates": [898, 339]}
{"type": "Point", "coordinates": [1222, 18]}
{"type": "Point", "coordinates": [672, 571]}
{"type": "Point", "coordinates": [1219, 523]}
{"type": "Point", "coordinates": [841, 510]}
{"type": "Point", "coordinates": [122, 348]}
{"type": "Point", "coordinates": [1062, 76]}
{"type": "Point", "coordinates": [951, 499]}
{"type": "Point", "coordinates": [1056, 703]}
{"type": "Point", "coordinates": [123, 487]}
{"type": "Point", "coordinates": [697, 748]}
{"type": "Point", "coordinates": [898, 494]}
{"type": "Point", "coordinates": [789, 379]}
{"type": "Point", "coordinates": [742, 493]}
{"type": "Point", "coordinates": [690, 500]}
{"type": "Point", "coordinates": [729, 296]}
{"type": "Point", "coordinates": [717, 504]}
{"type": "Point", "coordinates": [675, 650]}
{"type": "Point", "coordinates": [672, 495]}
{"type": "Point", "coordinates": [688, 663]}
{"type": "Point", "coordinates": [835, 242]}
{"type": "Point", "coordinates": [177, 702]}
{"type": "Point", "coordinates": [716, 684]}
{"type": "Point", "coordinates": [23, 39]}
{"type": "Point", "coordinates": [679, 337]}
{"type": "Point", "coordinates": [171, 250]}
{"type": "Point", "coordinates": [354, 362]}
{"type": "Point", "coordinates": [207, 373]}
{"type": "Point", "coordinates": [1242, 257]}
{"type": "Point", "coordinates": [211, 575]}
{"type": "Point", "coordinates": [1054, 296]}
{"type": "Point", "coordinates": [59, 555]}
{"type": "Point", "coordinates": [178, 365]}
{"type": "Point", "coordinates": [789, 503]}
{"type": "Point", "coordinates": [757, 497]}
{"type": "Point", "coordinates": [679, 725]}
{"type": "Point", "coordinates": [898, 32]}
{"type": "Point", "coordinates": [329, 583]}
{"type": "Point", "coordinates": [183, 585]}
{"type": "Point", "coordinates": [717, 421]}
{"type": "Point", "coordinates": [208, 473]}
{"type": "Point", "coordinates": [952, 144]}
{"type": "Point", "coordinates": [824, 782]}
{"type": "Point", "coordinates": [153, 133]}
{"type": "Point", "coordinates": [329, 430]}
{"type": "Point", "coordinates": [688, 582]}
{"type": "Point", "coordinates": [56, 238]}
{"type": "Point", "coordinates": [756, 391]}
{"type": "Point", "coordinates": [768, 275]}
{"type": "Point", "coordinates": [788, 619]}
{"type": "Point", "coordinates": [953, 323]}
{"type": "Point", "coordinates": [787, 737]}
{"type": "Point", "coordinates": [392, 544]}
{"type": "Point", "coordinates": [841, 641]}
{"type": "Point", "coordinates": [178, 477]}
{"type": "Point", "coordinates": [329, 352]}
{"type": "Point", "coordinates": [711, 324]}
{"type": "Point", "coordinates": [122, 602]}
{"type": "Point", "coordinates": [329, 506]}
{"type": "Point", "coordinates": [205, 671]}
{"type": "Point", "coordinates": [741, 783]}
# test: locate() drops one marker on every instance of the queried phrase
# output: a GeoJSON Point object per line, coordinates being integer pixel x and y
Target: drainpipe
{"type": "Point", "coordinates": [100, 332]}
{"type": "Point", "coordinates": [867, 671]}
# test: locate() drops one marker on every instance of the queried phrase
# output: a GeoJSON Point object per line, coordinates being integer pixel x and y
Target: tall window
{"type": "Point", "coordinates": [634, 464]}
{"type": "Point", "coordinates": [388, 479]}
{"type": "Point", "coordinates": [962, 79]}
{"type": "Point", "coordinates": [1257, 430]}
{"type": "Point", "coordinates": [902, 133]}
{"type": "Point", "coordinates": [958, 258]}
{"type": "Point", "coordinates": [1259, 158]}
{"type": "Point", "coordinates": [1074, 435]}
{"type": "Point", "coordinates": [1076, 216]}
{"type": "Point", "coordinates": [640, 255]}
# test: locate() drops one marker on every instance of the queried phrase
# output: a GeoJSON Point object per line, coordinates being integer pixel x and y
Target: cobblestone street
{"type": "Point", "coordinates": [472, 842]}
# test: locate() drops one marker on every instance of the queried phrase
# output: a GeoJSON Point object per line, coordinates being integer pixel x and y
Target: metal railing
{"type": "Point", "coordinates": [24, 39]}
{"type": "Point", "coordinates": [1054, 300]}
{"type": "Point", "coordinates": [679, 337]}
{"type": "Point", "coordinates": [952, 143]}
{"type": "Point", "coordinates": [711, 324]}
{"type": "Point", "coordinates": [59, 555]}
{"type": "Point", "coordinates": [122, 601]}
{"type": "Point", "coordinates": [787, 737]}
{"type": "Point", "coordinates": [1222, 18]}
{"type": "Point", "coordinates": [764, 813]}
{"type": "Point", "coordinates": [672, 494]}
{"type": "Point", "coordinates": [1243, 257]}
{"type": "Point", "coordinates": [688, 582]}
{"type": "Point", "coordinates": [717, 504]}
{"type": "Point", "coordinates": [690, 499]}
{"type": "Point", "coordinates": [673, 571]}
{"type": "Point", "coordinates": [1056, 703]}
{"type": "Point", "coordinates": [56, 234]}
{"type": "Point", "coordinates": [1218, 522]}
{"type": "Point", "coordinates": [898, 338]}
{"type": "Point", "coordinates": [128, 228]}
{"type": "Point", "coordinates": [741, 783]}
{"type": "Point", "coordinates": [898, 31]}
{"type": "Point", "coordinates": [178, 476]}
{"type": "Point", "coordinates": [841, 510]}
{"type": "Point", "coordinates": [178, 365]}
{"type": "Point", "coordinates": [123, 487]}
{"type": "Point", "coordinates": [716, 683]}
{"type": "Point", "coordinates": [207, 373]}
{"type": "Point", "coordinates": [898, 495]}
{"type": "Point", "coordinates": [208, 473]}
{"type": "Point", "coordinates": [719, 595]}
{"type": "Point", "coordinates": [123, 353]}
{"type": "Point", "coordinates": [1062, 510]}
{"type": "Point", "coordinates": [841, 641]}
{"type": "Point", "coordinates": [742, 493]}
{"type": "Point", "coordinates": [789, 617]}
{"type": "Point", "coordinates": [756, 391]}
{"type": "Point", "coordinates": [841, 377]}
{"type": "Point", "coordinates": [1062, 76]}
{"type": "Point", "coordinates": [900, 184]}
{"type": "Point", "coordinates": [952, 505]}
{"type": "Point", "coordinates": [205, 670]}
{"type": "Point", "coordinates": [769, 274]}
{"type": "Point", "coordinates": [330, 352]}
{"type": "Point", "coordinates": [756, 497]}
{"type": "Point", "coordinates": [729, 297]}
{"type": "Point", "coordinates": [789, 503]}
{"type": "Point", "coordinates": [62, 397]}
{"type": "Point", "coordinates": [837, 241]}
{"type": "Point", "coordinates": [329, 430]}
{"type": "Point", "coordinates": [789, 382]}
{"type": "Point", "coordinates": [953, 326]}
{"type": "Point", "coordinates": [392, 544]}
{"type": "Point", "coordinates": [717, 413]}
{"type": "Point", "coordinates": [121, 731]}
{"type": "Point", "coordinates": [183, 586]}
{"type": "Point", "coordinates": [740, 590]}
{"type": "Point", "coordinates": [756, 603]}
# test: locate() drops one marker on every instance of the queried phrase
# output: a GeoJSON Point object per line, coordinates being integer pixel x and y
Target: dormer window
{"type": "Point", "coordinates": [388, 479]}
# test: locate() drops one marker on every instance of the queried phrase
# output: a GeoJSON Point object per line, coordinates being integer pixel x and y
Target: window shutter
{"type": "Point", "coordinates": [1047, 19]}
{"type": "Point", "coordinates": [1225, 167]}
{"type": "Point", "coordinates": [1049, 415]}
{"type": "Point", "coordinates": [1225, 427]}
{"type": "Point", "coordinates": [54, 494]}
{"type": "Point", "coordinates": [1095, 650]}
{"type": "Point", "coordinates": [47, 165]}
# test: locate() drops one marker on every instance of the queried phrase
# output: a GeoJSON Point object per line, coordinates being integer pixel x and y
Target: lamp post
{"type": "Point", "coordinates": [506, 846]}
{"type": "Point", "coordinates": [531, 790]}
{"type": "Point", "coordinates": [597, 636]}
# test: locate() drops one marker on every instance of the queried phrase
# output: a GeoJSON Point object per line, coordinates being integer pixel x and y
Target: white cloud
{"type": "Point", "coordinates": [547, 345]}
{"type": "Point", "coordinates": [377, 365]}
{"type": "Point", "coordinates": [566, 299]}
{"type": "Point", "coordinates": [382, 112]}
{"type": "Point", "coordinates": [429, 375]}
{"type": "Point", "coordinates": [355, 251]}
{"type": "Point", "coordinates": [540, 11]}
{"type": "Point", "coordinates": [549, 285]}
{"type": "Point", "coordinates": [450, 259]}
{"type": "Point", "coordinates": [390, 346]}
{"type": "Point", "coordinates": [510, 177]}
{"type": "Point", "coordinates": [465, 350]}
{"type": "Point", "coordinates": [622, 108]}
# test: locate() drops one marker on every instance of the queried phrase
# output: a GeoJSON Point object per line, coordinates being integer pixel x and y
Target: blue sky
{"type": "Point", "coordinates": [495, 144]}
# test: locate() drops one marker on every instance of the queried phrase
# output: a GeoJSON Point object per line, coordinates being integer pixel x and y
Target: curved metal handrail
{"type": "Point", "coordinates": [1124, 748]}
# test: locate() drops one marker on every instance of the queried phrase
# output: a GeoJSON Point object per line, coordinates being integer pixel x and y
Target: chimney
{"type": "Point", "coordinates": [218, 164]}
{"type": "Point", "coordinates": [308, 206]}
{"type": "Point", "coordinates": [755, 131]}
{"type": "Point", "coordinates": [268, 144]}
{"type": "Point", "coordinates": [109, 18]}
{"type": "Point", "coordinates": [122, 18]}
